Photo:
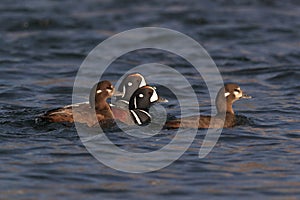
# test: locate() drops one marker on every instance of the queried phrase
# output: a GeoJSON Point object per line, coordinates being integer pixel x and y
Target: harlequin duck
{"type": "Point", "coordinates": [128, 86]}
{"type": "Point", "coordinates": [139, 104]}
{"type": "Point", "coordinates": [97, 100]}
{"type": "Point", "coordinates": [225, 117]}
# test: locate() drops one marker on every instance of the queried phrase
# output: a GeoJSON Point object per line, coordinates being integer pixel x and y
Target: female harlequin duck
{"type": "Point", "coordinates": [97, 100]}
{"type": "Point", "coordinates": [225, 117]}
{"type": "Point", "coordinates": [139, 104]}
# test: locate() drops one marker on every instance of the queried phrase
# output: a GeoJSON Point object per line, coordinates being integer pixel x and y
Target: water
{"type": "Point", "coordinates": [254, 43]}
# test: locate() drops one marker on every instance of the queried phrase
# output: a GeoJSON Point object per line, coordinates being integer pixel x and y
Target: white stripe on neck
{"type": "Point", "coordinates": [145, 113]}
{"type": "Point", "coordinates": [136, 117]}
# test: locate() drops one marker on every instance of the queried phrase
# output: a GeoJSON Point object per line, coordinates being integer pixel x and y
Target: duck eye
{"type": "Point", "coordinates": [129, 84]}
{"type": "Point", "coordinates": [141, 95]}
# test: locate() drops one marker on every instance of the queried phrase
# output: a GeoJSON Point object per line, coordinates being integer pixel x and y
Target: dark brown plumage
{"type": "Point", "coordinates": [83, 112]}
{"type": "Point", "coordinates": [225, 117]}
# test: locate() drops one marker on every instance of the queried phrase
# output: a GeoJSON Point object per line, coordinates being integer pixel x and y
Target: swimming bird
{"type": "Point", "coordinates": [128, 86]}
{"type": "Point", "coordinates": [225, 117]}
{"type": "Point", "coordinates": [85, 111]}
{"type": "Point", "coordinates": [139, 105]}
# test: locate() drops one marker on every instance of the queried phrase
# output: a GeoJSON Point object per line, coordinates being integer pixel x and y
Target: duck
{"type": "Point", "coordinates": [225, 117]}
{"type": "Point", "coordinates": [139, 105]}
{"type": "Point", "coordinates": [98, 104]}
{"type": "Point", "coordinates": [123, 108]}
{"type": "Point", "coordinates": [120, 107]}
{"type": "Point", "coordinates": [127, 87]}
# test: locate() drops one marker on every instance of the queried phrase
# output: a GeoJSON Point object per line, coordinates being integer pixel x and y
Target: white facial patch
{"type": "Point", "coordinates": [238, 93]}
{"type": "Point", "coordinates": [141, 95]}
{"type": "Point", "coordinates": [98, 91]}
{"type": "Point", "coordinates": [227, 94]}
{"type": "Point", "coordinates": [154, 97]}
{"type": "Point", "coordinates": [109, 90]}
{"type": "Point", "coordinates": [129, 84]}
{"type": "Point", "coordinates": [143, 82]}
{"type": "Point", "coordinates": [235, 93]}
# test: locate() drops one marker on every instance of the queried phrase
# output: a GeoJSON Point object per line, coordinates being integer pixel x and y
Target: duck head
{"type": "Point", "coordinates": [130, 84]}
{"type": "Point", "coordinates": [227, 95]}
{"type": "Point", "coordinates": [140, 103]}
{"type": "Point", "coordinates": [100, 93]}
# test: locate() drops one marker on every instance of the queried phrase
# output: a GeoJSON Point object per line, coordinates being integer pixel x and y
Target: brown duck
{"type": "Point", "coordinates": [225, 117]}
{"type": "Point", "coordinates": [83, 111]}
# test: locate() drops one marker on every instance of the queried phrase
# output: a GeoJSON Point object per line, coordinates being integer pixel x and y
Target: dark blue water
{"type": "Point", "coordinates": [254, 43]}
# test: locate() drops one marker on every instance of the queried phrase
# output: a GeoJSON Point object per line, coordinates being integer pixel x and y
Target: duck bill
{"type": "Point", "coordinates": [118, 94]}
{"type": "Point", "coordinates": [246, 96]}
{"type": "Point", "coordinates": [162, 100]}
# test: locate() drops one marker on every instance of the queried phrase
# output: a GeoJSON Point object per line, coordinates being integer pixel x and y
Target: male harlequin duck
{"type": "Point", "coordinates": [128, 86]}
{"type": "Point", "coordinates": [225, 117]}
{"type": "Point", "coordinates": [97, 100]}
{"type": "Point", "coordinates": [139, 104]}
{"type": "Point", "coordinates": [123, 110]}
